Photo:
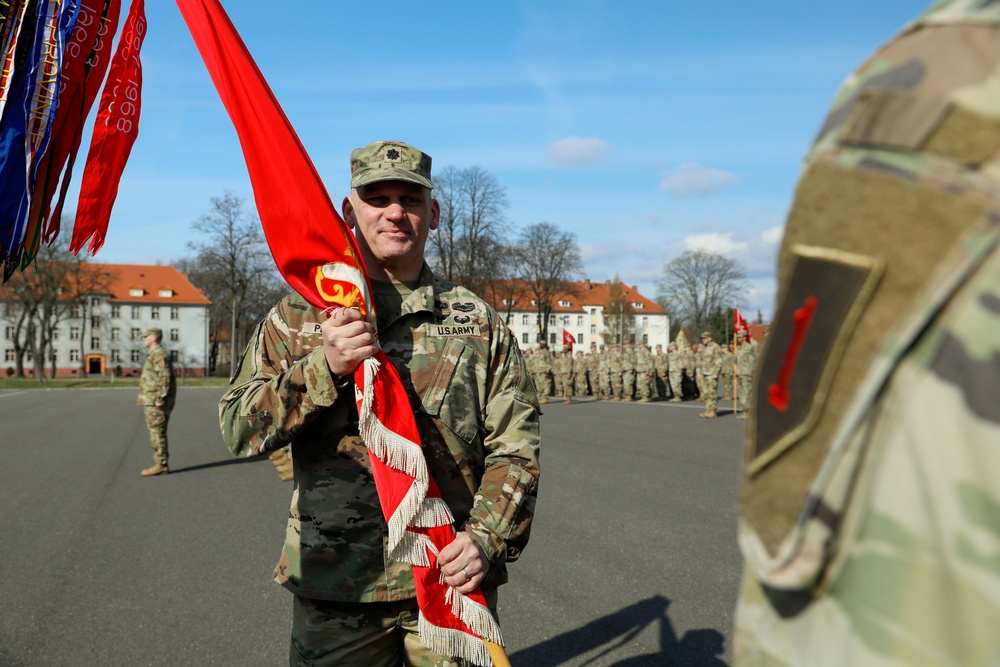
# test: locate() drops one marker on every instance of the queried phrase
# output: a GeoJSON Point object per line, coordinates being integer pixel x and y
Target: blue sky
{"type": "Point", "coordinates": [645, 128]}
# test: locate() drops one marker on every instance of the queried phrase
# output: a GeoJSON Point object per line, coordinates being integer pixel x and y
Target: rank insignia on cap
{"type": "Point", "coordinates": [393, 155]}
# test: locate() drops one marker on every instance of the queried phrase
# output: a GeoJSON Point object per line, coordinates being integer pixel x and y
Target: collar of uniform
{"type": "Point", "coordinates": [422, 298]}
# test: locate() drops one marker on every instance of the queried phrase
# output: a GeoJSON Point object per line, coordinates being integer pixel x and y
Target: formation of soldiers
{"type": "Point", "coordinates": [638, 373]}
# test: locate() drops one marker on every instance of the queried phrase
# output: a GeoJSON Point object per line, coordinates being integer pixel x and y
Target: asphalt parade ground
{"type": "Point", "coordinates": [632, 561]}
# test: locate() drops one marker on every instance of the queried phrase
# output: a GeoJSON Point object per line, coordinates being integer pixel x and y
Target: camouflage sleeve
{"type": "Point", "coordinates": [280, 387]}
{"type": "Point", "coordinates": [161, 383]}
{"type": "Point", "coordinates": [505, 502]}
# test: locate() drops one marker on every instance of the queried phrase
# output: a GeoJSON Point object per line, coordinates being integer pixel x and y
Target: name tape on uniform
{"type": "Point", "coordinates": [454, 330]}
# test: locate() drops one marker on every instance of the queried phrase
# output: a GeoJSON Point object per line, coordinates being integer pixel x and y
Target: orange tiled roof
{"type": "Point", "coordinates": [581, 295]}
{"type": "Point", "coordinates": [151, 280]}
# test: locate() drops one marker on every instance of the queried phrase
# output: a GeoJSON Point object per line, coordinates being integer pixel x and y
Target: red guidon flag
{"type": "Point", "coordinates": [740, 326]}
{"type": "Point", "coordinates": [318, 256]}
{"type": "Point", "coordinates": [568, 339]}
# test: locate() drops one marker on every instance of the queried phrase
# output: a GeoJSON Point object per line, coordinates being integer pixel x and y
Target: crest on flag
{"type": "Point", "coordinates": [568, 339]}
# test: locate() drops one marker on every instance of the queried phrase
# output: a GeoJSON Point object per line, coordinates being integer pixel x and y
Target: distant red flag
{"type": "Point", "coordinates": [115, 131]}
{"type": "Point", "coordinates": [319, 257]}
{"type": "Point", "coordinates": [740, 326]}
{"type": "Point", "coordinates": [568, 339]}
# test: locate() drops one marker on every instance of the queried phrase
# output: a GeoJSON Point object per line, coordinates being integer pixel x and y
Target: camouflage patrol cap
{"type": "Point", "coordinates": [706, 334]}
{"type": "Point", "coordinates": [153, 331]}
{"type": "Point", "coordinates": [390, 161]}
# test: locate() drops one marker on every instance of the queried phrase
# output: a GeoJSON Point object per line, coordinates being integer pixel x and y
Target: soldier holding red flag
{"type": "Point", "coordinates": [475, 409]}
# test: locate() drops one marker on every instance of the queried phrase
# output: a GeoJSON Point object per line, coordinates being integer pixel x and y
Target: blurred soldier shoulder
{"type": "Point", "coordinates": [869, 497]}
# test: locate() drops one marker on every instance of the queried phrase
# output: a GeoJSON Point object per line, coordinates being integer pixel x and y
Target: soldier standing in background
{"type": "Point", "coordinates": [543, 372]}
{"type": "Point", "coordinates": [615, 368]}
{"type": "Point", "coordinates": [628, 372]}
{"type": "Point", "coordinates": [691, 370]}
{"type": "Point", "coordinates": [604, 370]}
{"type": "Point", "coordinates": [661, 366]}
{"type": "Point", "coordinates": [564, 371]}
{"type": "Point", "coordinates": [746, 359]}
{"type": "Point", "coordinates": [157, 392]}
{"type": "Point", "coordinates": [594, 372]}
{"type": "Point", "coordinates": [645, 375]}
{"type": "Point", "coordinates": [709, 363]}
{"type": "Point", "coordinates": [579, 374]}
{"type": "Point", "coordinates": [675, 367]}
{"type": "Point", "coordinates": [726, 370]}
{"type": "Point", "coordinates": [870, 497]}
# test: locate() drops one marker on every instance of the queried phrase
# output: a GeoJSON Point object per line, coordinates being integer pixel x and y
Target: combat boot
{"type": "Point", "coordinates": [743, 415]}
{"type": "Point", "coordinates": [545, 399]}
{"type": "Point", "coordinates": [675, 399]}
{"type": "Point", "coordinates": [627, 399]}
{"type": "Point", "coordinates": [708, 414]}
{"type": "Point", "coordinates": [568, 401]}
{"type": "Point", "coordinates": [645, 399]}
{"type": "Point", "coordinates": [155, 469]}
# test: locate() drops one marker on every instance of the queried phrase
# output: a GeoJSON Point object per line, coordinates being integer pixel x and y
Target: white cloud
{"type": "Point", "coordinates": [773, 235]}
{"type": "Point", "coordinates": [722, 244]}
{"type": "Point", "coordinates": [578, 150]}
{"type": "Point", "coordinates": [694, 180]}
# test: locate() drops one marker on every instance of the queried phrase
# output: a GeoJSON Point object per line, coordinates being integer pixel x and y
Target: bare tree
{"type": "Point", "coordinates": [472, 216]}
{"type": "Point", "coordinates": [546, 259]}
{"type": "Point", "coordinates": [234, 269]}
{"type": "Point", "coordinates": [45, 294]}
{"type": "Point", "coordinates": [697, 286]}
{"type": "Point", "coordinates": [617, 311]}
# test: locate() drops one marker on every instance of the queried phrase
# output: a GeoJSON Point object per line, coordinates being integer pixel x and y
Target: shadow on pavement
{"type": "Point", "coordinates": [217, 464]}
{"type": "Point", "coordinates": [697, 648]}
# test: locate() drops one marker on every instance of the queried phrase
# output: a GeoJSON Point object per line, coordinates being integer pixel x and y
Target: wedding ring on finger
{"type": "Point", "coordinates": [467, 577]}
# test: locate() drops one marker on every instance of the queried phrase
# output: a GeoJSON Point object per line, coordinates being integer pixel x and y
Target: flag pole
{"type": "Point", "coordinates": [497, 654]}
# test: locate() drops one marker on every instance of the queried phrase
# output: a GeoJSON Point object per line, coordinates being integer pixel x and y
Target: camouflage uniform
{"type": "Point", "coordinates": [661, 367]}
{"type": "Point", "coordinates": [675, 366]}
{"type": "Point", "coordinates": [709, 363]}
{"type": "Point", "coordinates": [726, 372]}
{"type": "Point", "coordinates": [615, 371]}
{"type": "Point", "coordinates": [543, 373]}
{"type": "Point", "coordinates": [746, 359]}
{"type": "Point", "coordinates": [604, 372]}
{"type": "Point", "coordinates": [594, 372]}
{"type": "Point", "coordinates": [644, 373]}
{"type": "Point", "coordinates": [870, 503]}
{"type": "Point", "coordinates": [580, 374]}
{"type": "Point", "coordinates": [564, 368]}
{"type": "Point", "coordinates": [157, 385]}
{"type": "Point", "coordinates": [628, 372]}
{"type": "Point", "coordinates": [475, 408]}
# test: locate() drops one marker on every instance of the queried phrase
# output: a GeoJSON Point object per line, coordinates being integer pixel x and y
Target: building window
{"type": "Point", "coordinates": [95, 321]}
{"type": "Point", "coordinates": [645, 338]}
{"type": "Point", "coordinates": [154, 312]}
{"type": "Point", "coordinates": [638, 305]}
{"type": "Point", "coordinates": [134, 356]}
{"type": "Point", "coordinates": [645, 321]}
{"type": "Point", "coordinates": [552, 339]}
{"type": "Point", "coordinates": [564, 303]}
{"type": "Point", "coordinates": [135, 333]}
{"type": "Point", "coordinates": [135, 312]}
{"type": "Point", "coordinates": [8, 333]}
{"type": "Point", "coordinates": [74, 354]}
{"type": "Point", "coordinates": [579, 338]}
{"type": "Point", "coordinates": [95, 343]}
{"type": "Point", "coordinates": [95, 302]}
{"type": "Point", "coordinates": [508, 302]}
{"type": "Point", "coordinates": [593, 329]}
{"type": "Point", "coordinates": [9, 355]}
{"type": "Point", "coordinates": [552, 320]}
{"type": "Point", "coordinates": [173, 356]}
{"type": "Point", "coordinates": [116, 333]}
{"type": "Point", "coordinates": [175, 313]}
{"type": "Point", "coordinates": [524, 338]}
{"type": "Point", "coordinates": [116, 356]}
{"type": "Point", "coordinates": [166, 293]}
{"type": "Point", "coordinates": [116, 312]}
{"type": "Point", "coordinates": [534, 302]}
{"type": "Point", "coordinates": [136, 291]}
{"type": "Point", "coordinates": [565, 320]}
{"type": "Point", "coordinates": [175, 335]}
{"type": "Point", "coordinates": [55, 334]}
{"type": "Point", "coordinates": [593, 311]}
{"type": "Point", "coordinates": [74, 312]}
{"type": "Point", "coordinates": [579, 320]}
{"type": "Point", "coordinates": [74, 333]}
{"type": "Point", "coordinates": [524, 320]}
